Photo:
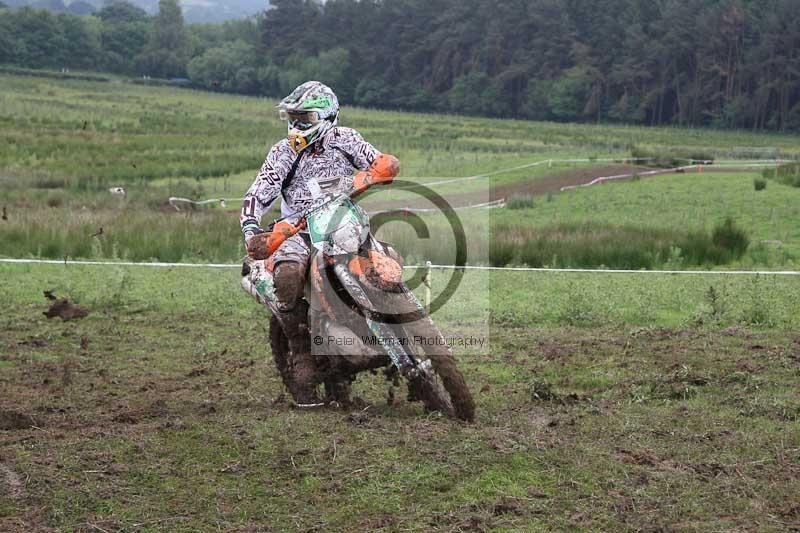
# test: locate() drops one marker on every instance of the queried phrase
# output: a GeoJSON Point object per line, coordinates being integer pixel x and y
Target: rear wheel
{"type": "Point", "coordinates": [337, 387]}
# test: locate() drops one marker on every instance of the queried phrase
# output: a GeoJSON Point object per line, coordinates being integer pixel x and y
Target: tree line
{"type": "Point", "coordinates": [721, 63]}
{"type": "Point", "coordinates": [119, 38]}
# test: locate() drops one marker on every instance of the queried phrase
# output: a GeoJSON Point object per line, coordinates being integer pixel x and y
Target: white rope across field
{"type": "Point", "coordinates": [697, 165]}
{"type": "Point", "coordinates": [603, 179]}
{"type": "Point", "coordinates": [68, 262]}
{"type": "Point", "coordinates": [745, 163]}
{"type": "Point", "coordinates": [174, 200]}
{"type": "Point", "coordinates": [615, 271]}
{"type": "Point", "coordinates": [494, 204]}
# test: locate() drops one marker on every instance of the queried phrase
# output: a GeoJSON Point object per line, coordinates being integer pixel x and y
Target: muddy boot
{"type": "Point", "coordinates": [338, 392]}
{"type": "Point", "coordinates": [301, 375]}
{"type": "Point", "coordinates": [292, 313]}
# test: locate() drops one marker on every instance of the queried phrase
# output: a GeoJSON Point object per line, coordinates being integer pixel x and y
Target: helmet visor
{"type": "Point", "coordinates": [301, 120]}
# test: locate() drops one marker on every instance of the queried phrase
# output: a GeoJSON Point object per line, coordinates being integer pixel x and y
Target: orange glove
{"type": "Point", "coordinates": [382, 172]}
{"type": "Point", "coordinates": [263, 245]}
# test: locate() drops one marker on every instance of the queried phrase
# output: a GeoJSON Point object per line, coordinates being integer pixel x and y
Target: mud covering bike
{"type": "Point", "coordinates": [361, 315]}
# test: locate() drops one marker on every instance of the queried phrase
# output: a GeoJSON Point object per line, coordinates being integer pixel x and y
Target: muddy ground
{"type": "Point", "coordinates": [131, 422]}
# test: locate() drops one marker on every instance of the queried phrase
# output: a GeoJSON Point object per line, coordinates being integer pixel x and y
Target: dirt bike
{"type": "Point", "coordinates": [361, 315]}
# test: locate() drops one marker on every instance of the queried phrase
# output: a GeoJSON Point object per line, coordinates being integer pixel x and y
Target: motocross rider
{"type": "Point", "coordinates": [316, 157]}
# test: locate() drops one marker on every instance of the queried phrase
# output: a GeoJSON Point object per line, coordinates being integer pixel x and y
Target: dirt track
{"type": "Point", "coordinates": [554, 182]}
{"type": "Point", "coordinates": [549, 183]}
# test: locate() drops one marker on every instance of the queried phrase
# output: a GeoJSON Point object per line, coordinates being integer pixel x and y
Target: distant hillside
{"type": "Point", "coordinates": [194, 11]}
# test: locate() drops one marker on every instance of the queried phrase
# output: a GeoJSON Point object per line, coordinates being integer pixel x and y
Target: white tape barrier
{"type": "Point", "coordinates": [67, 262]}
{"type": "Point", "coordinates": [698, 167]}
{"type": "Point", "coordinates": [174, 200]}
{"type": "Point", "coordinates": [416, 267]}
{"type": "Point", "coordinates": [604, 179]}
{"type": "Point", "coordinates": [494, 204]}
{"type": "Point", "coordinates": [754, 163]}
{"type": "Point", "coordinates": [616, 271]}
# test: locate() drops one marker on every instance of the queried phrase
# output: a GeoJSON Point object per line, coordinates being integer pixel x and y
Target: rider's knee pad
{"type": "Point", "coordinates": [290, 280]}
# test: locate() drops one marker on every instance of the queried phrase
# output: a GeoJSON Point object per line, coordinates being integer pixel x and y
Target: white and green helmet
{"type": "Point", "coordinates": [310, 110]}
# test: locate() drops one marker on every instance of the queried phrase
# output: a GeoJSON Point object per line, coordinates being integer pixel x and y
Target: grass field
{"type": "Point", "coordinates": [65, 142]}
{"type": "Point", "coordinates": [605, 401]}
{"type": "Point", "coordinates": [695, 202]}
{"type": "Point", "coordinates": [661, 414]}
{"type": "Point", "coordinates": [91, 134]}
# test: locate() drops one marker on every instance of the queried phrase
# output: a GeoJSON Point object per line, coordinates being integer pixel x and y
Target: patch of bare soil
{"type": "Point", "coordinates": [11, 485]}
{"type": "Point", "coordinates": [66, 310]}
{"type": "Point", "coordinates": [533, 187]}
{"type": "Point", "coordinates": [545, 184]}
{"type": "Point", "coordinates": [553, 350]}
{"type": "Point", "coordinates": [382, 522]}
{"type": "Point", "coordinates": [157, 409]}
{"type": "Point", "coordinates": [506, 505]}
{"type": "Point", "coordinates": [554, 182]}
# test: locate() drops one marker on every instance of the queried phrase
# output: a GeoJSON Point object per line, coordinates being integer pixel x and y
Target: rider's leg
{"type": "Point", "coordinates": [291, 263]}
{"type": "Point", "coordinates": [292, 313]}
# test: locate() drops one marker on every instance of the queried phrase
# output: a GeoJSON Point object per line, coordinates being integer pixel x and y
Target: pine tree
{"type": "Point", "coordinates": [167, 50]}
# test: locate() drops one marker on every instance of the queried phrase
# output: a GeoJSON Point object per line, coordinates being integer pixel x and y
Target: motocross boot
{"type": "Point", "coordinates": [292, 313]}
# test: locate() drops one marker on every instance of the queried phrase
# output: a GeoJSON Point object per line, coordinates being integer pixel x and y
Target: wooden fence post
{"type": "Point", "coordinates": [426, 280]}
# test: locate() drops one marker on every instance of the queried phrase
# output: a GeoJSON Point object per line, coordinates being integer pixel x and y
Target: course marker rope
{"type": "Point", "coordinates": [744, 163]}
{"type": "Point", "coordinates": [69, 262]}
{"type": "Point", "coordinates": [494, 204]}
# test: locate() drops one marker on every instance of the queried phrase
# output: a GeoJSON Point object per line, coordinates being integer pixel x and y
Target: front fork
{"type": "Point", "coordinates": [386, 337]}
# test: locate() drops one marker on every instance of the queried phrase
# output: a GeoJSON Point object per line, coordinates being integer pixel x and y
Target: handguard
{"type": "Point", "coordinates": [263, 245]}
{"type": "Point", "coordinates": [382, 172]}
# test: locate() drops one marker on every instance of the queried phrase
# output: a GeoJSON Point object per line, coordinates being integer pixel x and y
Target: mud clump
{"type": "Point", "coordinates": [157, 409]}
{"type": "Point", "coordinates": [13, 420]}
{"type": "Point", "coordinates": [360, 418]}
{"type": "Point", "coordinates": [199, 371]}
{"type": "Point", "coordinates": [66, 310]}
{"type": "Point", "coordinates": [542, 390]}
{"type": "Point", "coordinates": [506, 506]}
{"type": "Point", "coordinates": [126, 418]}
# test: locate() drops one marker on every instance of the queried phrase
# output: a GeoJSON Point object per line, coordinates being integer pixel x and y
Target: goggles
{"type": "Point", "coordinates": [301, 120]}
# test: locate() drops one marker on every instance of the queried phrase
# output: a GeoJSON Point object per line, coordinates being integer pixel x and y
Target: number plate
{"type": "Point", "coordinates": [324, 224]}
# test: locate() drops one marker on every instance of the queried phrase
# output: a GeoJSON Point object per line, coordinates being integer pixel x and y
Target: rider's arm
{"type": "Point", "coordinates": [262, 193]}
{"type": "Point", "coordinates": [382, 172]}
{"type": "Point", "coordinates": [374, 167]}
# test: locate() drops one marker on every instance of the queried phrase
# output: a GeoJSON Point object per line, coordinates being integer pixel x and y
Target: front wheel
{"type": "Point", "coordinates": [460, 403]}
{"type": "Point", "coordinates": [426, 388]}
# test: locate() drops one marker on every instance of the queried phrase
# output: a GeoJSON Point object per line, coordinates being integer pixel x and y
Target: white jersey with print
{"type": "Point", "coordinates": [330, 166]}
